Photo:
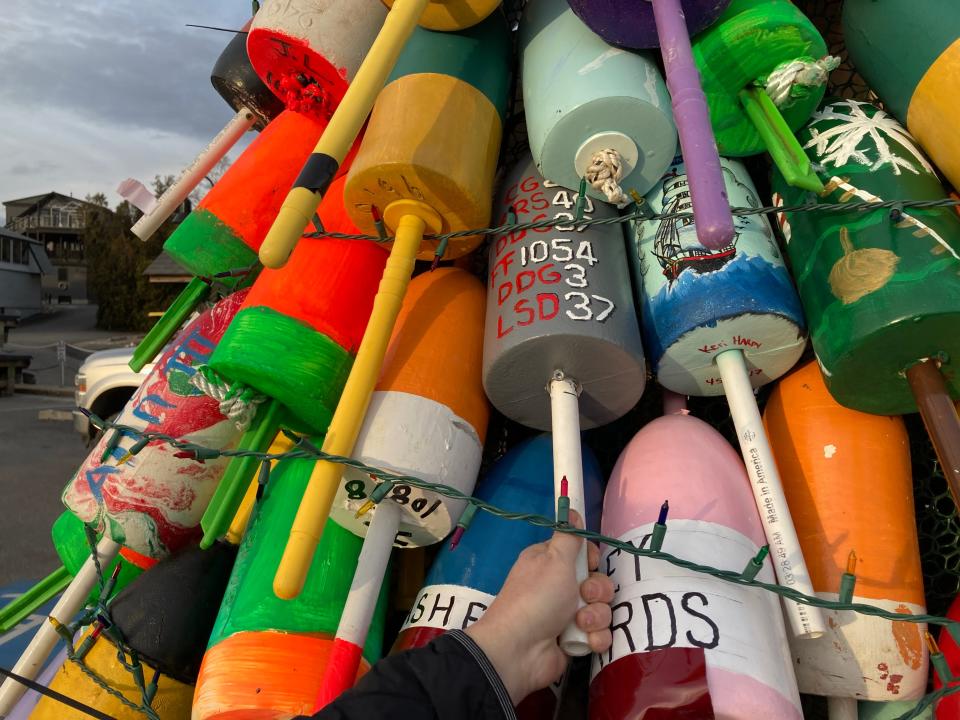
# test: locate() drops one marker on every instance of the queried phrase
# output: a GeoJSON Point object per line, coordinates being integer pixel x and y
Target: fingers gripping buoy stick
{"type": "Point", "coordinates": [69, 604]}
{"type": "Point", "coordinates": [302, 201]}
{"type": "Point", "coordinates": [707, 192]}
{"type": "Point", "coordinates": [785, 550]}
{"type": "Point", "coordinates": [568, 464]}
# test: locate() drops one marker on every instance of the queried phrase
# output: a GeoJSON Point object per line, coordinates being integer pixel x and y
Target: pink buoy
{"type": "Point", "coordinates": [685, 644]}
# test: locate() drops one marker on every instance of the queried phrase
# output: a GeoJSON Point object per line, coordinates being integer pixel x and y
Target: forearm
{"type": "Point", "coordinates": [449, 679]}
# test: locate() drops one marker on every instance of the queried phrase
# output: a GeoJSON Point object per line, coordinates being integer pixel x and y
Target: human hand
{"type": "Point", "coordinates": [539, 598]}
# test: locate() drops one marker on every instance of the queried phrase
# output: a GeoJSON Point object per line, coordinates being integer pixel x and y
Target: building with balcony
{"type": "Point", "coordinates": [58, 222]}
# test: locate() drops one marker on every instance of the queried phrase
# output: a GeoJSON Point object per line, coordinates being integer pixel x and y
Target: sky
{"type": "Point", "coordinates": [96, 91]}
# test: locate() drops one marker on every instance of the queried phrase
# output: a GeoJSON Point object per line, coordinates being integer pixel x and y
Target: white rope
{"type": "Point", "coordinates": [604, 174]}
{"type": "Point", "coordinates": [805, 72]}
{"type": "Point", "coordinates": [241, 407]}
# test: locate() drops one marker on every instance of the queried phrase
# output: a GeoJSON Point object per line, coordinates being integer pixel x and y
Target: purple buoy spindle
{"type": "Point", "coordinates": [708, 194]}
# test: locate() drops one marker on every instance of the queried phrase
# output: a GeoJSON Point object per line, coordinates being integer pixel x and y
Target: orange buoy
{"type": "Point", "coordinates": [848, 482]}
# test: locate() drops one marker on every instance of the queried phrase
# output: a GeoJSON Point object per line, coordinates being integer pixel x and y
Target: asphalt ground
{"type": "Point", "coordinates": [37, 459]}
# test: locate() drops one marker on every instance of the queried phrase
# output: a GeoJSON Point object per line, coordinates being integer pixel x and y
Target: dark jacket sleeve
{"type": "Point", "coordinates": [448, 679]}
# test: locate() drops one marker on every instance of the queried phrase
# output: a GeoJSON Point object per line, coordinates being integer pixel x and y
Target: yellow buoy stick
{"type": "Point", "coordinates": [302, 200]}
{"type": "Point", "coordinates": [414, 219]}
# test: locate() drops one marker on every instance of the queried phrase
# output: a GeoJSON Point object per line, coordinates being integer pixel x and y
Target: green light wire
{"type": "Point", "coordinates": [306, 450]}
{"type": "Point", "coordinates": [644, 214]}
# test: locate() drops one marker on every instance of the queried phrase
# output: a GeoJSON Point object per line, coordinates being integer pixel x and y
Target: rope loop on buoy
{"type": "Point", "coordinates": [604, 174]}
{"type": "Point", "coordinates": [797, 78]}
{"type": "Point", "coordinates": [237, 401]}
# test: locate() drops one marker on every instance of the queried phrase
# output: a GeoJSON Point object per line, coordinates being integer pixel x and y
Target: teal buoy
{"type": "Point", "coordinates": [582, 97]}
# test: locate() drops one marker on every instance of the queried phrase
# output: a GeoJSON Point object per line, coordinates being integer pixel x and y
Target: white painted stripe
{"type": "Point", "coordinates": [659, 605]}
{"type": "Point", "coordinates": [864, 656]}
{"type": "Point", "coordinates": [368, 577]}
{"type": "Point", "coordinates": [447, 607]}
{"type": "Point", "coordinates": [412, 435]}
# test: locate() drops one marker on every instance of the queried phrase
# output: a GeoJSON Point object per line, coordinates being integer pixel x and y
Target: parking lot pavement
{"type": "Point", "coordinates": [37, 458]}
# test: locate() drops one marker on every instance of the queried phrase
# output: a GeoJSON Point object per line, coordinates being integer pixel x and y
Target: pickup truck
{"type": "Point", "coordinates": [103, 385]}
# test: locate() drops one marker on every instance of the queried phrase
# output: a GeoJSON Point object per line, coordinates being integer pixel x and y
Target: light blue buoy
{"type": "Point", "coordinates": [696, 303]}
{"type": "Point", "coordinates": [582, 96]}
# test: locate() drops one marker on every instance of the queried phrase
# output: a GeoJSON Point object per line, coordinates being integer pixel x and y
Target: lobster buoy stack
{"type": "Point", "coordinates": [764, 68]}
{"type": "Point", "coordinates": [684, 640]}
{"type": "Point", "coordinates": [266, 656]}
{"type": "Point", "coordinates": [725, 322]}
{"type": "Point", "coordinates": [309, 52]}
{"type": "Point", "coordinates": [428, 419]}
{"type": "Point", "coordinates": [880, 289]}
{"type": "Point", "coordinates": [161, 621]}
{"type": "Point", "coordinates": [463, 581]}
{"type": "Point", "coordinates": [562, 348]}
{"type": "Point", "coordinates": [848, 481]}
{"type": "Point", "coordinates": [918, 86]}
{"type": "Point", "coordinates": [151, 502]}
{"type": "Point", "coordinates": [293, 341]}
{"type": "Point", "coordinates": [235, 80]}
{"type": "Point", "coordinates": [427, 162]}
{"type": "Point", "coordinates": [592, 111]}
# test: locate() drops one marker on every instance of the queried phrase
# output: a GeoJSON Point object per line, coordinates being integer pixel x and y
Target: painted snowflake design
{"type": "Point", "coordinates": [840, 144]}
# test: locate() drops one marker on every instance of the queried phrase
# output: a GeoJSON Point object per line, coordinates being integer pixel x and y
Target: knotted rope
{"type": "Point", "coordinates": [604, 174]}
{"type": "Point", "coordinates": [237, 401]}
{"type": "Point", "coordinates": [797, 78]}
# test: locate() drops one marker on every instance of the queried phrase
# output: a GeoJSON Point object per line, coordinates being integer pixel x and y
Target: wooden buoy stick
{"type": "Point", "coordinates": [361, 602]}
{"type": "Point", "coordinates": [318, 172]}
{"type": "Point", "coordinates": [940, 418]}
{"type": "Point", "coordinates": [196, 291]}
{"type": "Point", "coordinates": [568, 463]}
{"type": "Point", "coordinates": [779, 139]}
{"type": "Point", "coordinates": [842, 708]}
{"type": "Point", "coordinates": [174, 195]}
{"type": "Point", "coordinates": [806, 621]}
{"type": "Point", "coordinates": [707, 191]}
{"type": "Point", "coordinates": [18, 608]}
{"type": "Point", "coordinates": [232, 487]}
{"type": "Point", "coordinates": [42, 644]}
{"type": "Point", "coordinates": [348, 417]}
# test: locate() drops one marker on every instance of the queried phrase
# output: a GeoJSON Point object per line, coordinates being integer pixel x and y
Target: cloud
{"type": "Point", "coordinates": [33, 168]}
{"type": "Point", "coordinates": [100, 90]}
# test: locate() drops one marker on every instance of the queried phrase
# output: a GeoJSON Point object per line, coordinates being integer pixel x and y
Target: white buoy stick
{"type": "Point", "coordinates": [43, 643]}
{"type": "Point", "coordinates": [568, 462]}
{"type": "Point", "coordinates": [147, 225]}
{"type": "Point", "coordinates": [806, 621]}
{"type": "Point", "coordinates": [361, 602]}
{"type": "Point", "coordinates": [842, 708]}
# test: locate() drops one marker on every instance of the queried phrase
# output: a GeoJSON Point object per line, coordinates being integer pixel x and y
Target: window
{"type": "Point", "coordinates": [5, 249]}
{"type": "Point", "coordinates": [24, 252]}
